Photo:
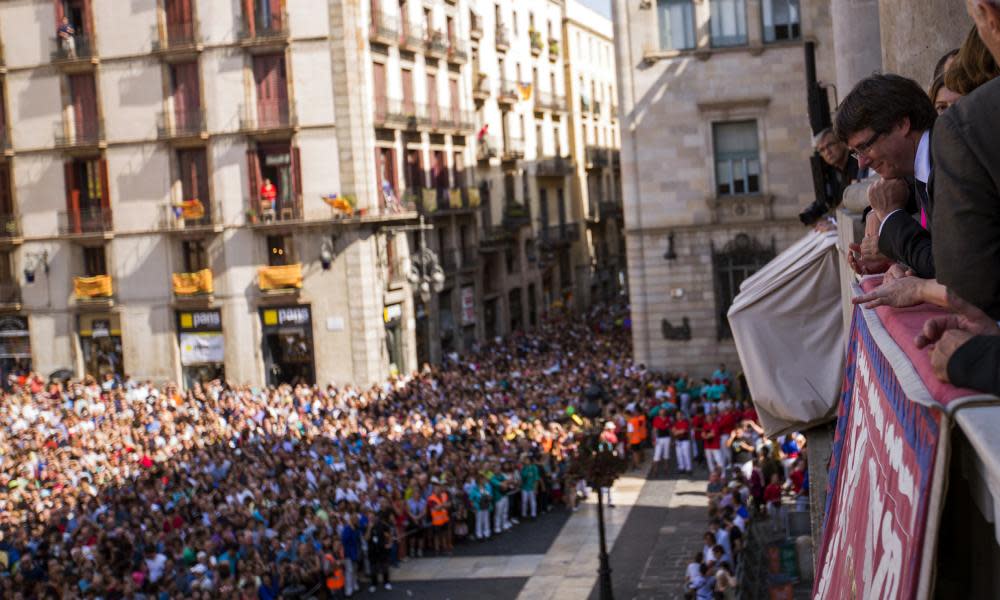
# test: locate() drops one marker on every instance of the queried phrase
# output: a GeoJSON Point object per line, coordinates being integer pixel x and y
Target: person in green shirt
{"type": "Point", "coordinates": [500, 502]}
{"type": "Point", "coordinates": [529, 486]}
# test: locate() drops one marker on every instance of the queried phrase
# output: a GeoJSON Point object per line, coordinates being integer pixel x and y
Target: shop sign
{"type": "Point", "coordinates": [292, 315]}
{"type": "Point", "coordinates": [198, 348]}
{"type": "Point", "coordinates": [468, 305]}
{"type": "Point", "coordinates": [100, 328]}
{"type": "Point", "coordinates": [13, 327]}
{"type": "Point", "coordinates": [200, 320]}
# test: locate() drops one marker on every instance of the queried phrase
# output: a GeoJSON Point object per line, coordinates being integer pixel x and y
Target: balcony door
{"type": "Point", "coordinates": [187, 96]}
{"type": "Point", "coordinates": [6, 200]}
{"type": "Point", "coordinates": [432, 97]}
{"type": "Point", "coordinates": [263, 16]}
{"type": "Point", "coordinates": [84, 97]}
{"type": "Point", "coordinates": [408, 92]}
{"type": "Point", "coordinates": [193, 175]}
{"type": "Point", "coordinates": [385, 176]}
{"type": "Point", "coordinates": [415, 179]}
{"type": "Point", "coordinates": [77, 12]}
{"type": "Point", "coordinates": [279, 165]}
{"type": "Point", "coordinates": [180, 20]}
{"type": "Point", "coordinates": [272, 89]}
{"type": "Point", "coordinates": [87, 199]}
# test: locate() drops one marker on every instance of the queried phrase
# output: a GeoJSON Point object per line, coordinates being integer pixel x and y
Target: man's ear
{"type": "Point", "coordinates": [904, 125]}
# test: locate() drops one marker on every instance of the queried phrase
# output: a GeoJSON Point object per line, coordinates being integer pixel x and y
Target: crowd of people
{"type": "Point", "coordinates": [127, 489]}
{"type": "Point", "coordinates": [933, 225]}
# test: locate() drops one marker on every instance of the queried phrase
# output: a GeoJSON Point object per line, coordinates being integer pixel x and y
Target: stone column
{"type": "Point", "coordinates": [915, 33]}
{"type": "Point", "coordinates": [856, 41]}
{"type": "Point", "coordinates": [819, 445]}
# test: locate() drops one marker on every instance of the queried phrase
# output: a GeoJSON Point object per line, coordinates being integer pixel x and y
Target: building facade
{"type": "Point", "coordinates": [715, 149]}
{"type": "Point", "coordinates": [595, 142]}
{"type": "Point", "coordinates": [190, 191]}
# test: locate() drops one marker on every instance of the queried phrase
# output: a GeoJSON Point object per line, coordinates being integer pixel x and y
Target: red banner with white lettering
{"type": "Point", "coordinates": [882, 476]}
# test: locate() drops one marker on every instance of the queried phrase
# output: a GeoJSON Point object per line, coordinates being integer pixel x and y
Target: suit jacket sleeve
{"type": "Point", "coordinates": [966, 220]}
{"type": "Point", "coordinates": [905, 241]}
{"type": "Point", "coordinates": [976, 364]}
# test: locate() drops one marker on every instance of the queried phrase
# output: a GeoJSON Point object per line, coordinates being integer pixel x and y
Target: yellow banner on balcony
{"type": "Point", "coordinates": [188, 284]}
{"type": "Point", "coordinates": [525, 89]}
{"type": "Point", "coordinates": [92, 287]}
{"type": "Point", "coordinates": [430, 199]}
{"type": "Point", "coordinates": [192, 209]}
{"type": "Point", "coordinates": [283, 277]}
{"type": "Point", "coordinates": [455, 198]}
{"type": "Point", "coordinates": [474, 197]}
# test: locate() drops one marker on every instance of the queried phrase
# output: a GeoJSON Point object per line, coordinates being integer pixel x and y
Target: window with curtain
{"type": "Point", "coordinates": [781, 20]}
{"type": "Point", "coordinates": [728, 22]}
{"type": "Point", "coordinates": [737, 160]}
{"type": "Point", "coordinates": [676, 19]}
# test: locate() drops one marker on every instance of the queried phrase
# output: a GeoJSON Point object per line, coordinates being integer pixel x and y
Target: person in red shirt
{"type": "Point", "coordinates": [697, 425]}
{"type": "Point", "coordinates": [772, 498]}
{"type": "Point", "coordinates": [268, 194]}
{"type": "Point", "coordinates": [728, 421]}
{"type": "Point", "coordinates": [662, 424]}
{"type": "Point", "coordinates": [712, 435]}
{"type": "Point", "coordinates": [682, 436]}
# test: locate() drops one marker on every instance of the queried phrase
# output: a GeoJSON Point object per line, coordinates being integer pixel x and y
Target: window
{"type": "Point", "coordinates": [737, 164]}
{"type": "Point", "coordinates": [781, 20]}
{"type": "Point", "coordinates": [739, 259]}
{"type": "Point", "coordinates": [728, 22]}
{"type": "Point", "coordinates": [195, 256]}
{"type": "Point", "coordinates": [676, 19]}
{"type": "Point", "coordinates": [94, 261]}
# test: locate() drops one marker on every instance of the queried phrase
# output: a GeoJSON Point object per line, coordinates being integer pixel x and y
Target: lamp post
{"type": "Point", "coordinates": [426, 274]}
{"type": "Point", "coordinates": [600, 467]}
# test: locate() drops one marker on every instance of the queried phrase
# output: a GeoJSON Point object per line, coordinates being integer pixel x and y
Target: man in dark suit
{"type": "Point", "coordinates": [967, 227]}
{"type": "Point", "coordinates": [886, 121]}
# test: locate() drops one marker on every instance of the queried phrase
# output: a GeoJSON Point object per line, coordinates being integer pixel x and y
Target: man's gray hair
{"type": "Point", "coordinates": [818, 138]}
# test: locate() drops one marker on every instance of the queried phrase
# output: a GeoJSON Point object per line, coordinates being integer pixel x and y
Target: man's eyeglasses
{"type": "Point", "coordinates": [862, 149]}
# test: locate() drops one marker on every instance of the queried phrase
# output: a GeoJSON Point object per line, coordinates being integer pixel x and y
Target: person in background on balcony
{"type": "Point", "coordinates": [67, 38]}
{"type": "Point", "coordinates": [887, 120]}
{"type": "Point", "coordinates": [268, 195]}
{"type": "Point", "coordinates": [836, 154]}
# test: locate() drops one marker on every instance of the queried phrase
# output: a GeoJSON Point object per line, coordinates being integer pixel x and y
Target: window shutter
{"type": "Point", "coordinates": [253, 173]}
{"type": "Point", "coordinates": [297, 174]}
{"type": "Point", "coordinates": [105, 195]}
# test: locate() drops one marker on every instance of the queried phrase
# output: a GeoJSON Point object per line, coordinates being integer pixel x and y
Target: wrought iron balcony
{"type": "Point", "coordinates": [85, 221]}
{"type": "Point", "coordinates": [269, 116]}
{"type": "Point", "coordinates": [513, 149]}
{"type": "Point", "coordinates": [555, 166]}
{"type": "Point", "coordinates": [384, 28]}
{"type": "Point", "coordinates": [79, 133]}
{"type": "Point", "coordinates": [458, 53]}
{"type": "Point", "coordinates": [180, 124]}
{"type": "Point", "coordinates": [437, 44]}
{"type": "Point", "coordinates": [502, 39]}
{"type": "Point", "coordinates": [389, 111]}
{"type": "Point", "coordinates": [72, 49]}
{"type": "Point", "coordinates": [174, 36]}
{"type": "Point", "coordinates": [273, 31]}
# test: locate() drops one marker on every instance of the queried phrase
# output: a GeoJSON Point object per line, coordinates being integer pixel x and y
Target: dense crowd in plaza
{"type": "Point", "coordinates": [124, 489]}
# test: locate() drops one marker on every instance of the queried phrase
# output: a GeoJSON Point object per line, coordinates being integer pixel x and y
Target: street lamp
{"type": "Point", "coordinates": [600, 467]}
{"type": "Point", "coordinates": [425, 272]}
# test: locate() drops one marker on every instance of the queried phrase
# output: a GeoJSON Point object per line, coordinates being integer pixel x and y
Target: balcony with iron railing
{"type": "Point", "coordinates": [458, 52]}
{"type": "Point", "coordinates": [475, 26]}
{"type": "Point", "coordinates": [481, 89]}
{"type": "Point", "coordinates": [561, 234]}
{"type": "Point", "coordinates": [384, 28]}
{"type": "Point", "coordinates": [516, 215]}
{"type": "Point", "coordinates": [174, 37]}
{"type": "Point", "coordinates": [513, 148]}
{"type": "Point", "coordinates": [487, 148]}
{"type": "Point", "coordinates": [465, 120]}
{"type": "Point", "coordinates": [267, 117]}
{"type": "Point", "coordinates": [553, 49]}
{"type": "Point", "coordinates": [192, 216]}
{"type": "Point", "coordinates": [502, 38]}
{"type": "Point", "coordinates": [389, 112]}
{"type": "Point", "coordinates": [85, 132]}
{"type": "Point", "coordinates": [273, 32]}
{"type": "Point", "coordinates": [73, 52]}
{"type": "Point", "coordinates": [508, 93]}
{"type": "Point", "coordinates": [179, 124]}
{"type": "Point", "coordinates": [411, 37]}
{"type": "Point", "coordinates": [550, 101]}
{"type": "Point", "coordinates": [597, 157]}
{"type": "Point", "coordinates": [10, 295]}
{"type": "Point", "coordinates": [537, 45]}
{"type": "Point", "coordinates": [88, 221]}
{"type": "Point", "coordinates": [554, 166]}
{"type": "Point", "coordinates": [281, 212]}
{"type": "Point", "coordinates": [436, 44]}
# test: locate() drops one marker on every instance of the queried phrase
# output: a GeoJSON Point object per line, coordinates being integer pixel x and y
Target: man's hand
{"type": "Point", "coordinates": [869, 247]}
{"type": "Point", "coordinates": [866, 266]}
{"type": "Point", "coordinates": [896, 271]}
{"type": "Point", "coordinates": [948, 333]}
{"type": "Point", "coordinates": [887, 195]}
{"type": "Point", "coordinates": [898, 293]}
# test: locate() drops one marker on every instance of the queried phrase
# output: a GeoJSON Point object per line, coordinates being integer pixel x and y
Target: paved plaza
{"type": "Point", "coordinates": [652, 532]}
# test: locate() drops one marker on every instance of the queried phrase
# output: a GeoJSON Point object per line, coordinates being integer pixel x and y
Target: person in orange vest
{"type": "Point", "coordinates": [333, 566]}
{"type": "Point", "coordinates": [636, 429]}
{"type": "Point", "coordinates": [438, 505]}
